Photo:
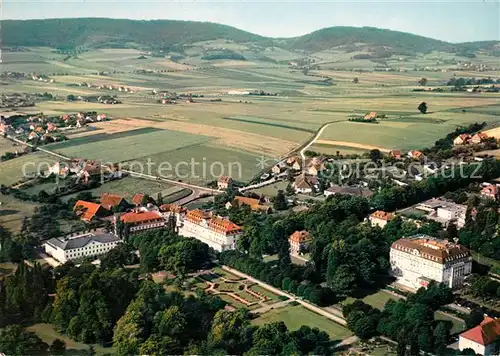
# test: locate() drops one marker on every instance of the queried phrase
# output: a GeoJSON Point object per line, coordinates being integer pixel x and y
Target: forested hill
{"type": "Point", "coordinates": [101, 32]}
{"type": "Point", "coordinates": [371, 36]}
{"type": "Point", "coordinates": [170, 35]}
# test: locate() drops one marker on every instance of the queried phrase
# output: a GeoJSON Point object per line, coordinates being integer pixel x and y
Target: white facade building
{"type": "Point", "coordinates": [141, 220]}
{"type": "Point", "coordinates": [68, 248]}
{"type": "Point", "coordinates": [484, 339]}
{"type": "Point", "coordinates": [218, 233]}
{"type": "Point", "coordinates": [417, 260]}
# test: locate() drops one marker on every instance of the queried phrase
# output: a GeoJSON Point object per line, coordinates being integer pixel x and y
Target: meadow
{"type": "Point", "coordinates": [296, 316]}
{"type": "Point", "coordinates": [226, 128]}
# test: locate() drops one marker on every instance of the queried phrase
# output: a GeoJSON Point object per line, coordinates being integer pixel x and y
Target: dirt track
{"type": "Point", "coordinates": [351, 144]}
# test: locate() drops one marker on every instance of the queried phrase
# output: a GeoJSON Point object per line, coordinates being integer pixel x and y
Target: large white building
{"type": "Point", "coordinates": [68, 248]}
{"type": "Point", "coordinates": [417, 260]}
{"type": "Point", "coordinates": [218, 233]}
{"type": "Point", "coordinates": [484, 339]}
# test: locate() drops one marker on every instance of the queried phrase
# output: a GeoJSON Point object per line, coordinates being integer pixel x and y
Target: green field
{"type": "Point", "coordinates": [48, 334]}
{"type": "Point", "coordinates": [13, 212]}
{"type": "Point", "coordinates": [376, 300]}
{"type": "Point", "coordinates": [296, 316]}
{"type": "Point", "coordinates": [15, 169]}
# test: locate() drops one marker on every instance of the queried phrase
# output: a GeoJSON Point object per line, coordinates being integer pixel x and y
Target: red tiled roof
{"type": "Point", "coordinates": [137, 199]}
{"type": "Point", "coordinates": [464, 137]}
{"type": "Point", "coordinates": [439, 251]}
{"type": "Point", "coordinates": [485, 333]}
{"type": "Point", "coordinates": [87, 210]}
{"type": "Point", "coordinates": [172, 207]}
{"type": "Point", "coordinates": [415, 154]}
{"type": "Point", "coordinates": [300, 236]}
{"type": "Point", "coordinates": [490, 190]}
{"type": "Point", "coordinates": [134, 217]}
{"type": "Point", "coordinates": [215, 223]}
{"type": "Point", "coordinates": [225, 179]}
{"type": "Point", "coordinates": [382, 215]}
{"type": "Point", "coordinates": [109, 201]}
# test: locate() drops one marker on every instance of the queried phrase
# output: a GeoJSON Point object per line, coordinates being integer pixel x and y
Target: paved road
{"type": "Point", "coordinates": [305, 304]}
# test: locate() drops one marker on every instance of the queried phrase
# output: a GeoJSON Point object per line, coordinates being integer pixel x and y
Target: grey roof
{"type": "Point", "coordinates": [72, 242]}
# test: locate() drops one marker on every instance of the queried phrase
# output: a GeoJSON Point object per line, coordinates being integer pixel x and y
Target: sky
{"type": "Point", "coordinates": [448, 20]}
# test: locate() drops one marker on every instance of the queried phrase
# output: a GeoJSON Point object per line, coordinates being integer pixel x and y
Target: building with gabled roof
{"type": "Point", "coordinates": [76, 247]}
{"type": "Point", "coordinates": [224, 182]}
{"type": "Point", "coordinates": [396, 154]}
{"type": "Point", "coordinates": [219, 233]}
{"type": "Point", "coordinates": [254, 204]}
{"type": "Point", "coordinates": [87, 211]}
{"type": "Point", "coordinates": [479, 137]}
{"type": "Point", "coordinates": [461, 139]}
{"type": "Point", "coordinates": [141, 219]}
{"type": "Point", "coordinates": [484, 339]}
{"type": "Point", "coordinates": [417, 260]}
{"type": "Point", "coordinates": [299, 242]}
{"type": "Point", "coordinates": [109, 201]}
{"type": "Point", "coordinates": [380, 218]}
{"type": "Point", "coordinates": [490, 191]}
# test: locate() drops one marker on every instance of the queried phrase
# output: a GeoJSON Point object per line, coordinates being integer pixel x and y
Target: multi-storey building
{"type": "Point", "coordinates": [417, 260]}
{"type": "Point", "coordinates": [140, 220]}
{"type": "Point", "coordinates": [444, 211]}
{"type": "Point", "coordinates": [79, 246]}
{"type": "Point", "coordinates": [380, 218]}
{"type": "Point", "coordinates": [299, 242]}
{"type": "Point", "coordinates": [218, 233]}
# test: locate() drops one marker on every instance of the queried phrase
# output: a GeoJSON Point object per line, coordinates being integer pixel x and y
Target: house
{"type": "Point", "coordinates": [415, 154]}
{"type": "Point", "coordinates": [490, 191]}
{"type": "Point", "coordinates": [110, 201]}
{"type": "Point", "coordinates": [219, 233]}
{"type": "Point", "coordinates": [314, 166]}
{"type": "Point", "coordinates": [51, 127]}
{"type": "Point", "coordinates": [254, 204]}
{"type": "Point", "coordinates": [87, 211]}
{"type": "Point", "coordinates": [173, 210]}
{"type": "Point", "coordinates": [461, 139]}
{"type": "Point", "coordinates": [137, 199]}
{"type": "Point", "coordinates": [296, 166]}
{"type": "Point", "coordinates": [417, 260]}
{"type": "Point", "coordinates": [32, 136]}
{"type": "Point", "coordinates": [370, 116]}
{"type": "Point", "coordinates": [484, 339]}
{"type": "Point", "coordinates": [224, 182]}
{"type": "Point", "coordinates": [276, 169]}
{"type": "Point", "coordinates": [380, 218]}
{"type": "Point", "coordinates": [140, 220]}
{"type": "Point", "coordinates": [305, 184]}
{"type": "Point", "coordinates": [479, 137]}
{"type": "Point", "coordinates": [291, 160]}
{"type": "Point", "coordinates": [348, 190]}
{"type": "Point", "coordinates": [299, 242]}
{"type": "Point", "coordinates": [395, 154]}
{"type": "Point", "coordinates": [76, 247]}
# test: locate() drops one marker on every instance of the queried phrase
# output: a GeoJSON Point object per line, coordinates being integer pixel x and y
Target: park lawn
{"type": "Point", "coordinates": [228, 287]}
{"type": "Point", "coordinates": [494, 264]}
{"type": "Point", "coordinates": [458, 326]}
{"type": "Point", "coordinates": [48, 334]}
{"type": "Point", "coordinates": [13, 212]}
{"type": "Point", "coordinates": [296, 316]}
{"type": "Point", "coordinates": [199, 203]}
{"type": "Point", "coordinates": [132, 147]}
{"type": "Point", "coordinates": [263, 291]}
{"type": "Point", "coordinates": [376, 300]}
{"type": "Point", "coordinates": [224, 273]}
{"type": "Point", "coordinates": [248, 296]}
{"type": "Point", "coordinates": [272, 189]}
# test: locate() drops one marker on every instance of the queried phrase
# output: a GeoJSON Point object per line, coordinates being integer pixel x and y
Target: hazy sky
{"type": "Point", "coordinates": [451, 20]}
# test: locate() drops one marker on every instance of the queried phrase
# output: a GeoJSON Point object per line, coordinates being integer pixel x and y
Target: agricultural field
{"type": "Point", "coordinates": [296, 316]}
{"type": "Point", "coordinates": [18, 168]}
{"type": "Point", "coordinates": [13, 212]}
{"type": "Point", "coordinates": [220, 129]}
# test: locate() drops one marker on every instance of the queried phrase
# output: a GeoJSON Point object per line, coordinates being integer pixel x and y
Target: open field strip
{"type": "Point", "coordinates": [494, 132]}
{"type": "Point", "coordinates": [11, 171]}
{"type": "Point", "coordinates": [351, 144]}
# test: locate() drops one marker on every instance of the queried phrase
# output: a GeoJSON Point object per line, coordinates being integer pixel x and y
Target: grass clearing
{"type": "Point", "coordinates": [458, 325]}
{"type": "Point", "coordinates": [296, 316]}
{"type": "Point", "coordinates": [15, 169]}
{"type": "Point", "coordinates": [262, 291]}
{"type": "Point", "coordinates": [13, 212]}
{"type": "Point", "coordinates": [48, 334]}
{"type": "Point", "coordinates": [376, 300]}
